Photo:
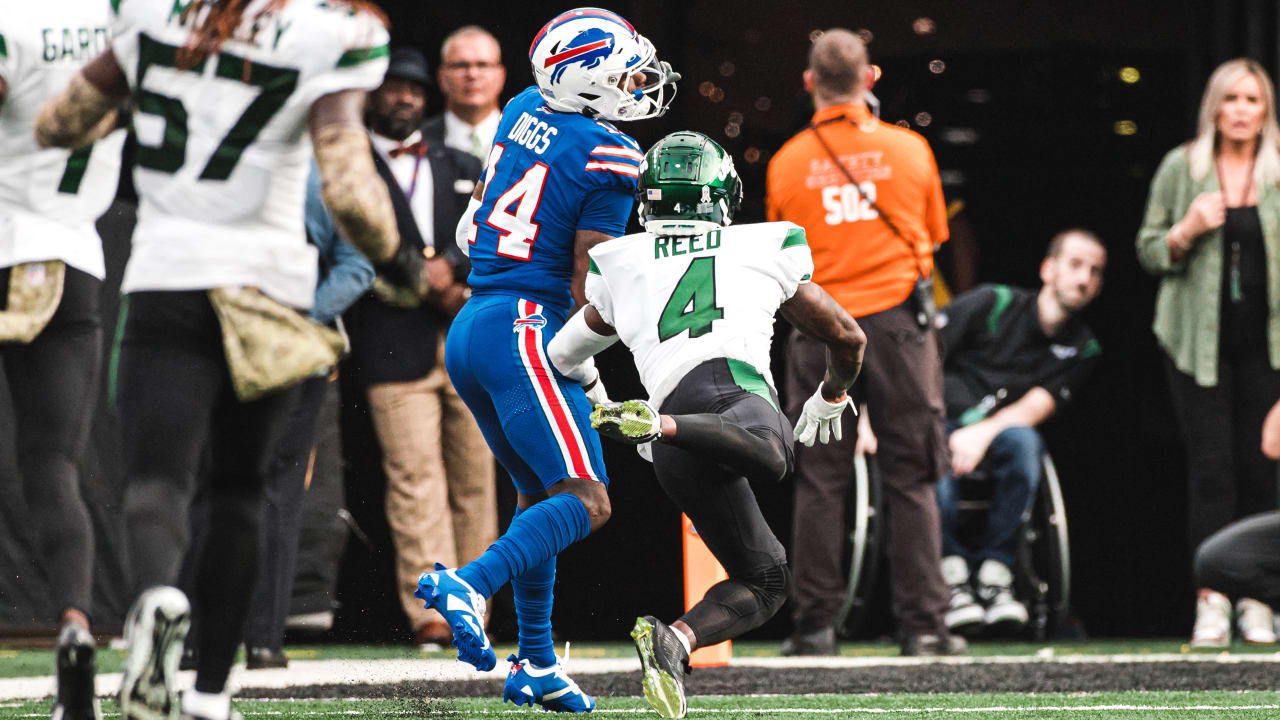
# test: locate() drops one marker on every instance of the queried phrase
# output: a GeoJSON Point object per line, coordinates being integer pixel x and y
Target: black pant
{"type": "Point", "coordinates": [176, 400]}
{"type": "Point", "coordinates": [54, 383]}
{"type": "Point", "coordinates": [1243, 559]}
{"type": "Point", "coordinates": [1228, 477]}
{"type": "Point", "coordinates": [723, 435]}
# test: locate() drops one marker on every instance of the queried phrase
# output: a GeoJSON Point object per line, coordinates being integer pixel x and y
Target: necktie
{"type": "Point", "coordinates": [477, 144]}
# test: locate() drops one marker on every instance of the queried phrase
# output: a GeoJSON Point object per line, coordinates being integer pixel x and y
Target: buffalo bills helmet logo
{"type": "Point", "coordinates": [588, 48]}
{"type": "Point", "coordinates": [531, 322]}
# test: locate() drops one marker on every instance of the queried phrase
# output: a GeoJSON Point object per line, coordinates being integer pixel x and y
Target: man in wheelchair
{"type": "Point", "coordinates": [1010, 357]}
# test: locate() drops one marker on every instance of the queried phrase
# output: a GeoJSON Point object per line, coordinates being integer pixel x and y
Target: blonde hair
{"type": "Point", "coordinates": [1204, 146]}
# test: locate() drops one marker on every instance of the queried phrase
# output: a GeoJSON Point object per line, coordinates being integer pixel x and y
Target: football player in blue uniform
{"type": "Point", "coordinates": [558, 180]}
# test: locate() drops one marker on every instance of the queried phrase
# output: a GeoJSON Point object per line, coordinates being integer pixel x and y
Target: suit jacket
{"type": "Point", "coordinates": [394, 344]}
{"type": "Point", "coordinates": [433, 131]}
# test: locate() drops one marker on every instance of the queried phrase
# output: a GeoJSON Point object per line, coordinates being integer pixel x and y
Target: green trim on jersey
{"type": "Point", "coordinates": [806, 276]}
{"type": "Point", "coordinates": [795, 237]}
{"type": "Point", "coordinates": [4, 49]}
{"type": "Point", "coordinates": [113, 367]}
{"type": "Point", "coordinates": [1004, 296]}
{"type": "Point", "coordinates": [592, 267]}
{"type": "Point", "coordinates": [750, 379]}
{"type": "Point", "coordinates": [360, 55]}
{"type": "Point", "coordinates": [115, 6]}
{"type": "Point", "coordinates": [77, 165]}
{"type": "Point", "coordinates": [1092, 348]}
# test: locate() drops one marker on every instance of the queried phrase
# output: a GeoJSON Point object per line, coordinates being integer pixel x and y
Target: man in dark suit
{"type": "Point", "coordinates": [471, 77]}
{"type": "Point", "coordinates": [440, 501]}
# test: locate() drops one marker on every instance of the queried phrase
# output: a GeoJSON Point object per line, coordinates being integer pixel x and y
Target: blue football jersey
{"type": "Point", "coordinates": [549, 174]}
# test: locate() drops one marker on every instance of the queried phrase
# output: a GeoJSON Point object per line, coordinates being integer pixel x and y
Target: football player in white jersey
{"type": "Point", "coordinates": [226, 92]}
{"type": "Point", "coordinates": [49, 200]}
{"type": "Point", "coordinates": [694, 299]}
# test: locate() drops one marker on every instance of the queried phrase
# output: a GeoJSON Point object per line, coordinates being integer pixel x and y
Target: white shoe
{"type": "Point", "coordinates": [1213, 620]}
{"type": "Point", "coordinates": [995, 588]}
{"type": "Point", "coordinates": [963, 611]}
{"type": "Point", "coordinates": [1255, 622]}
{"type": "Point", "coordinates": [155, 629]}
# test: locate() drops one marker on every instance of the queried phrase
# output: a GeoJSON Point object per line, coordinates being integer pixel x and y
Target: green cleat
{"type": "Point", "coordinates": [631, 421]}
{"type": "Point", "coordinates": [664, 663]}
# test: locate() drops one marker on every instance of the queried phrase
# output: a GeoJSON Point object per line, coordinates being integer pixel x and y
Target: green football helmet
{"type": "Point", "coordinates": [688, 186]}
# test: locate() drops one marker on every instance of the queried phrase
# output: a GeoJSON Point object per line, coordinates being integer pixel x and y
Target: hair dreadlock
{"type": "Point", "coordinates": [224, 16]}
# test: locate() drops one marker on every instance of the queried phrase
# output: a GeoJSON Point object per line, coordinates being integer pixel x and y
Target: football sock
{"type": "Point", "coordinates": [538, 533]}
{"type": "Point", "coordinates": [534, 592]}
{"type": "Point", "coordinates": [759, 458]}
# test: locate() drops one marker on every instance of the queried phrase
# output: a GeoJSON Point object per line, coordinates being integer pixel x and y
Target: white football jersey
{"type": "Point", "coordinates": [223, 151]}
{"type": "Point", "coordinates": [679, 301]}
{"type": "Point", "coordinates": [50, 198]}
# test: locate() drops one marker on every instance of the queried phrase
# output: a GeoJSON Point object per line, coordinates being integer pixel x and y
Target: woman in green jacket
{"type": "Point", "coordinates": [1212, 234]}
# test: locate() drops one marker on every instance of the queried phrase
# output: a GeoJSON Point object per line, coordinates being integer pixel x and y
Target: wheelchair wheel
{"type": "Point", "coordinates": [865, 545]}
{"type": "Point", "coordinates": [1056, 552]}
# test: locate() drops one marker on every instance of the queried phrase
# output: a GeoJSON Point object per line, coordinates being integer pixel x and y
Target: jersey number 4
{"type": "Point", "coordinates": [516, 229]}
{"type": "Point", "coordinates": [692, 305]}
{"type": "Point", "coordinates": [276, 84]}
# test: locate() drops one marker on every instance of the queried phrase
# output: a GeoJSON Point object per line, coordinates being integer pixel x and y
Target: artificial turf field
{"type": "Point", "coordinates": [1098, 679]}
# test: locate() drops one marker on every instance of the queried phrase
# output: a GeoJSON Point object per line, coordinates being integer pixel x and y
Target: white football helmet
{"type": "Point", "coordinates": [583, 59]}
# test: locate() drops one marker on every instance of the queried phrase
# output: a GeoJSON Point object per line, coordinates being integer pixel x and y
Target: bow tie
{"type": "Point", "coordinates": [416, 148]}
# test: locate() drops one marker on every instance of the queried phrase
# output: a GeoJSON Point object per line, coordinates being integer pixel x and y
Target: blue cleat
{"type": "Point", "coordinates": [463, 608]}
{"type": "Point", "coordinates": [549, 687]}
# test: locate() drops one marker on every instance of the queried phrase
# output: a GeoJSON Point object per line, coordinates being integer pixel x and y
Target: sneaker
{"type": "Point", "coordinates": [818, 642]}
{"type": "Point", "coordinates": [665, 663]}
{"type": "Point", "coordinates": [463, 608]}
{"type": "Point", "coordinates": [208, 706]}
{"type": "Point", "coordinates": [264, 658]}
{"type": "Point", "coordinates": [933, 645]}
{"type": "Point", "coordinates": [630, 421]}
{"type": "Point", "coordinates": [76, 670]}
{"type": "Point", "coordinates": [1213, 620]}
{"type": "Point", "coordinates": [1255, 622]}
{"type": "Point", "coordinates": [995, 588]}
{"type": "Point", "coordinates": [964, 614]}
{"type": "Point", "coordinates": [549, 687]}
{"type": "Point", "coordinates": [154, 632]}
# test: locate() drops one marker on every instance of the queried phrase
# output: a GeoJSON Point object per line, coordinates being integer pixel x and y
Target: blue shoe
{"type": "Point", "coordinates": [463, 608]}
{"type": "Point", "coordinates": [549, 687]}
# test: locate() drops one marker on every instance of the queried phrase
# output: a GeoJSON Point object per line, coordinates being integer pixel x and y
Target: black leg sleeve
{"type": "Point", "coordinates": [755, 453]}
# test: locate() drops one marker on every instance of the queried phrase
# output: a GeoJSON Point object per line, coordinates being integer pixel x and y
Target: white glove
{"type": "Point", "coordinates": [820, 418]}
{"type": "Point", "coordinates": [594, 387]}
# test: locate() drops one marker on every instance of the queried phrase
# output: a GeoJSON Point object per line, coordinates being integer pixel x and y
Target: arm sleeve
{"type": "Point", "coordinates": [1063, 385]}
{"type": "Point", "coordinates": [349, 272]}
{"type": "Point", "coordinates": [795, 262]}
{"type": "Point", "coordinates": [1160, 215]}
{"type": "Point", "coordinates": [597, 291]}
{"type": "Point", "coordinates": [961, 319]}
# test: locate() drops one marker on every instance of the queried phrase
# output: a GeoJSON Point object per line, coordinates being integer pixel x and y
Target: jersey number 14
{"type": "Point", "coordinates": [516, 229]}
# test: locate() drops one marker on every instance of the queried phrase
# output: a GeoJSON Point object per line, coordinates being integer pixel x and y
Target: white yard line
{"type": "Point", "coordinates": [694, 711]}
{"type": "Point", "coordinates": [355, 672]}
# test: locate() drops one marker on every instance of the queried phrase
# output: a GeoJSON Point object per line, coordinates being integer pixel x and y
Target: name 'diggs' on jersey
{"type": "Point", "coordinates": [548, 175]}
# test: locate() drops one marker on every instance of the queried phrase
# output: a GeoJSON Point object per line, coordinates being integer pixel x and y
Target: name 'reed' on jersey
{"type": "Point", "coordinates": [678, 301]}
{"type": "Point", "coordinates": [49, 198]}
{"type": "Point", "coordinates": [223, 153]}
{"type": "Point", "coordinates": [548, 175]}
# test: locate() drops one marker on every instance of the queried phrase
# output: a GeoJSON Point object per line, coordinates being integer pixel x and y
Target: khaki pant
{"type": "Point", "coordinates": [441, 503]}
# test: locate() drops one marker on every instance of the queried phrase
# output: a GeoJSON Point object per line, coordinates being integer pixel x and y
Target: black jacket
{"type": "Point", "coordinates": [392, 344]}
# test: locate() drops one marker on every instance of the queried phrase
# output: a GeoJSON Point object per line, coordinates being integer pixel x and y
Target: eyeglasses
{"type": "Point", "coordinates": [479, 66]}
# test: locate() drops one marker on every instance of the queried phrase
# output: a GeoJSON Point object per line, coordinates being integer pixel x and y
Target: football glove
{"type": "Point", "coordinates": [820, 419]}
